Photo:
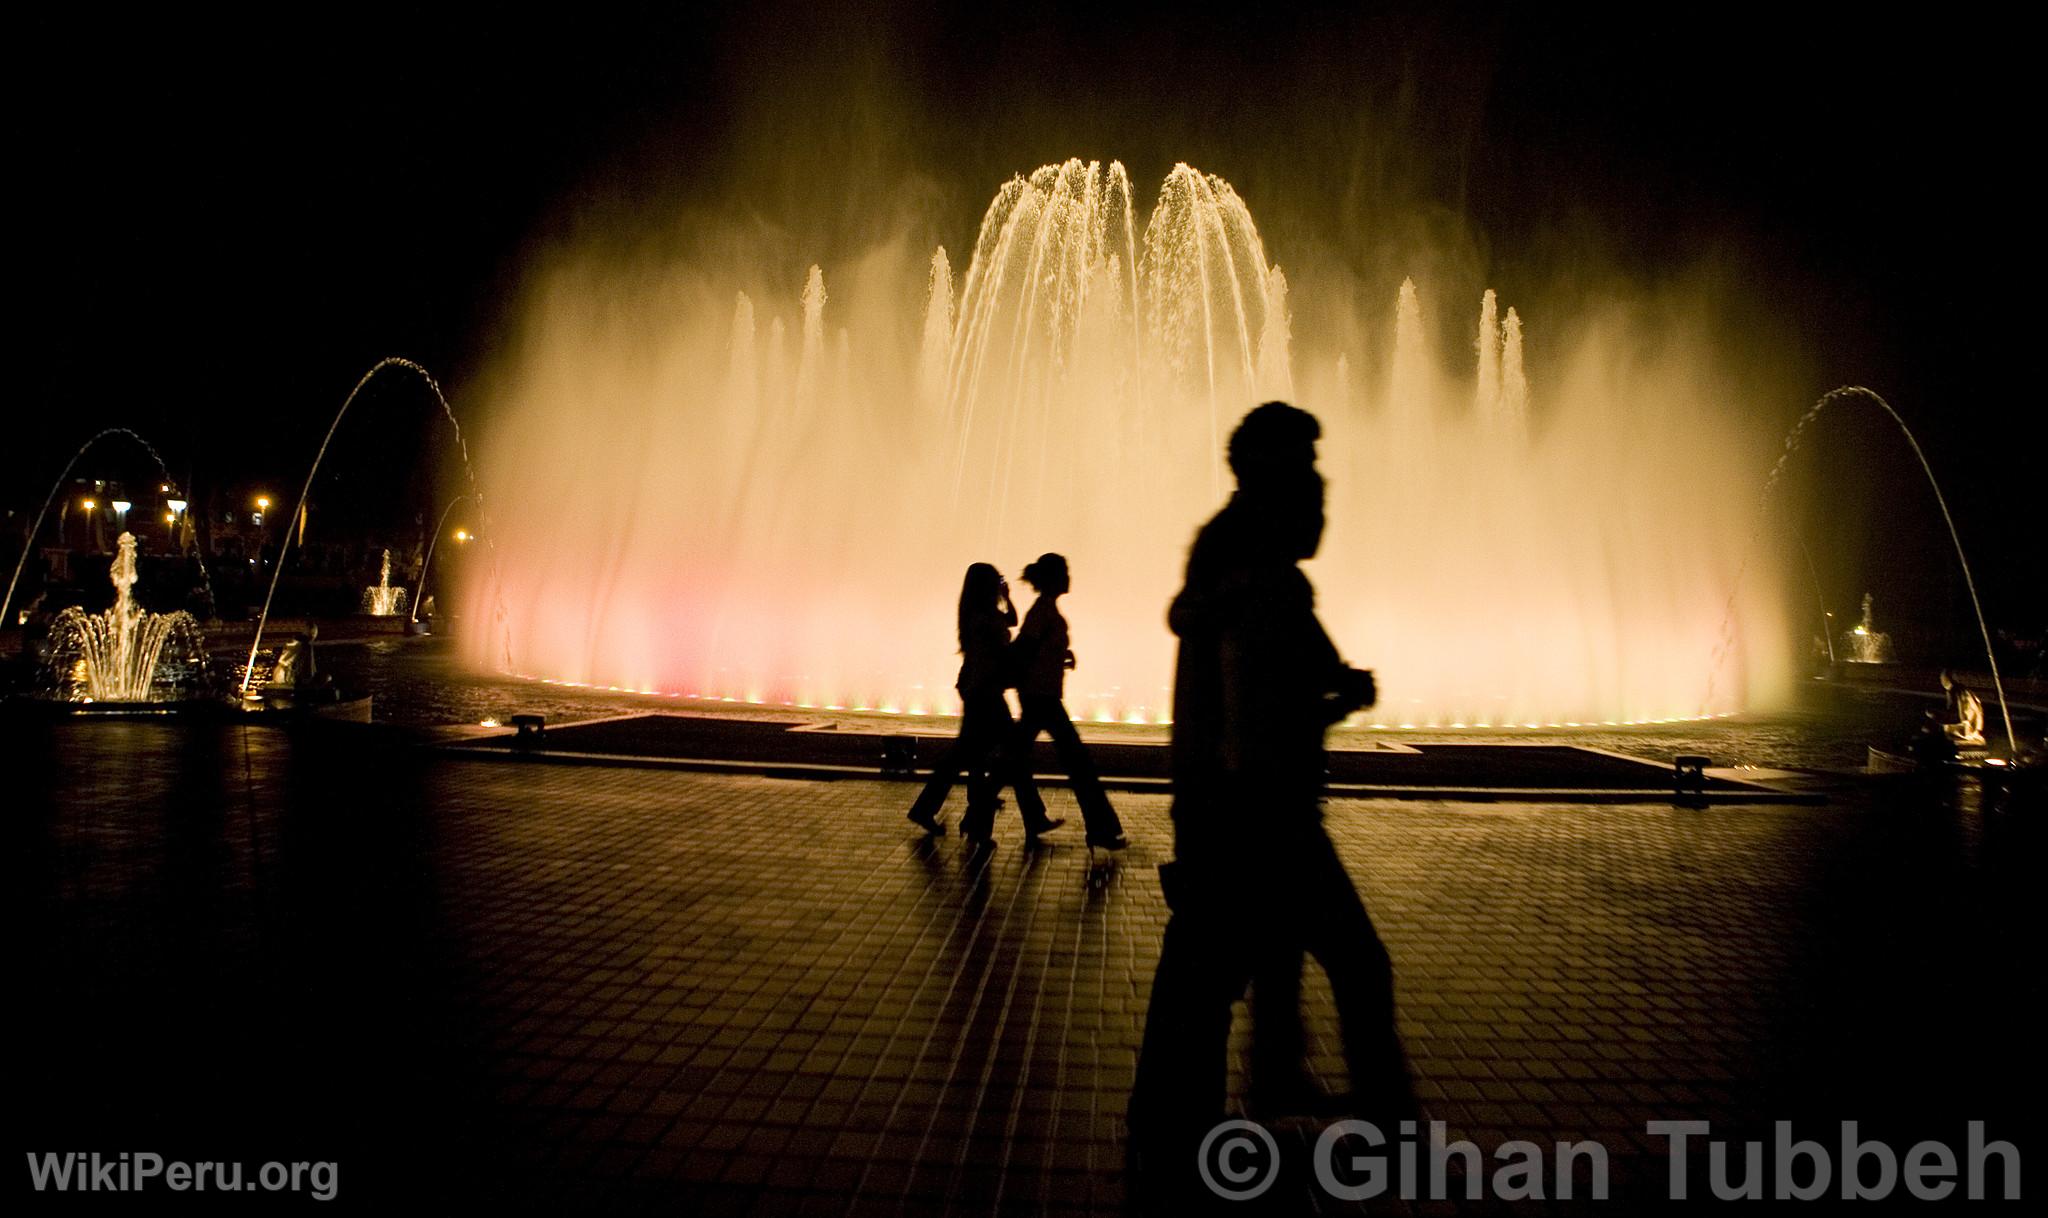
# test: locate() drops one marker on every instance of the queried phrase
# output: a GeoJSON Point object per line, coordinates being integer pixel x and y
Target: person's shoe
{"type": "Point", "coordinates": [1108, 841]}
{"type": "Point", "coordinates": [1034, 832]}
{"type": "Point", "coordinates": [928, 822]}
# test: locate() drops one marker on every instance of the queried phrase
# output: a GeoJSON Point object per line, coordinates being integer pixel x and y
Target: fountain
{"type": "Point", "coordinates": [306, 489]}
{"type": "Point", "coordinates": [381, 599]}
{"type": "Point", "coordinates": [1793, 440]}
{"type": "Point", "coordinates": [1864, 643]}
{"type": "Point", "coordinates": [29, 542]}
{"type": "Point", "coordinates": [723, 499]}
{"type": "Point", "coordinates": [126, 655]}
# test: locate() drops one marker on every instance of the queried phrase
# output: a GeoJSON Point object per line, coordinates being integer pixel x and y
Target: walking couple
{"type": "Point", "coordinates": [992, 749]}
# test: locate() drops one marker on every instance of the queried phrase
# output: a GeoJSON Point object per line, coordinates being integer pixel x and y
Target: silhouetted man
{"type": "Point", "coordinates": [1255, 880]}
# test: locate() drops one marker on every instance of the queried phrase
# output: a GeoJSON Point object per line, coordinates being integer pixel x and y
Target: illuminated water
{"type": "Point", "coordinates": [125, 654]}
{"type": "Point", "coordinates": [771, 498]}
{"type": "Point", "coordinates": [381, 599]}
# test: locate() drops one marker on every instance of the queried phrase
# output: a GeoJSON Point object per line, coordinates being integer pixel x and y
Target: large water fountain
{"type": "Point", "coordinates": [715, 498]}
{"type": "Point", "coordinates": [126, 654]}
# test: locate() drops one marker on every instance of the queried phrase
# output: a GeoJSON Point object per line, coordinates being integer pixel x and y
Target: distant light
{"type": "Point", "coordinates": [176, 505]}
{"type": "Point", "coordinates": [121, 506]}
{"type": "Point", "coordinates": [165, 488]}
{"type": "Point", "coordinates": [88, 505]}
{"type": "Point", "coordinates": [462, 534]}
{"type": "Point", "coordinates": [490, 723]}
{"type": "Point", "coordinates": [1994, 761]}
{"type": "Point", "coordinates": [170, 518]}
{"type": "Point", "coordinates": [262, 504]}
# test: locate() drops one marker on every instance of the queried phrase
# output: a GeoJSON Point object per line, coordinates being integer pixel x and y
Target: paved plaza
{"type": "Point", "coordinates": [699, 993]}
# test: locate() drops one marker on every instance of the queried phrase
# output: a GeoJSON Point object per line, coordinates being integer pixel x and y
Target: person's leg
{"type": "Point", "coordinates": [945, 771]}
{"type": "Point", "coordinates": [1101, 819]}
{"type": "Point", "coordinates": [1182, 1074]}
{"type": "Point", "coordinates": [1336, 929]}
{"type": "Point", "coordinates": [984, 729]}
{"type": "Point", "coordinates": [983, 724]}
{"type": "Point", "coordinates": [1016, 768]}
{"type": "Point", "coordinates": [1279, 1078]}
{"type": "Point", "coordinates": [1181, 1085]}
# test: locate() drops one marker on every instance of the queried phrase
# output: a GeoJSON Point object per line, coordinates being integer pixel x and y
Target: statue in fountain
{"type": "Point", "coordinates": [1968, 725]}
{"type": "Point", "coordinates": [381, 599]}
{"type": "Point", "coordinates": [295, 666]}
{"type": "Point", "coordinates": [126, 654]}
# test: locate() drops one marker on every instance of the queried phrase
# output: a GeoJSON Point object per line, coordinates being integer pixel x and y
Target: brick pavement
{"type": "Point", "coordinates": [723, 994]}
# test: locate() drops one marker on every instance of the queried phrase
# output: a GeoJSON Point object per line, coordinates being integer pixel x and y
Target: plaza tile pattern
{"type": "Point", "coordinates": [728, 994]}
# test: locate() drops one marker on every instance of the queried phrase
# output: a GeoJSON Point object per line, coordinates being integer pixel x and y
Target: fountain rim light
{"type": "Point", "coordinates": [712, 701]}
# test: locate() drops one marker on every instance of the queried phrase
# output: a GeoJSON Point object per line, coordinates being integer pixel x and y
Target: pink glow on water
{"type": "Point", "coordinates": [760, 499]}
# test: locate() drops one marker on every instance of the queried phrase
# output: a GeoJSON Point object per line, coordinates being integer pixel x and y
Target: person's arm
{"type": "Point", "coordinates": [1007, 608]}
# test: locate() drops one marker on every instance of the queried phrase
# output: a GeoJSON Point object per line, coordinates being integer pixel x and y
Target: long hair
{"type": "Point", "coordinates": [978, 594]}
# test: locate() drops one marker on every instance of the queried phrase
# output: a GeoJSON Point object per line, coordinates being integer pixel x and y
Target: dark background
{"type": "Point", "coordinates": [223, 221]}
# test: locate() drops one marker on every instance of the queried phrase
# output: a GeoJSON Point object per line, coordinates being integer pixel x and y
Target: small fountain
{"type": "Point", "coordinates": [1793, 440]}
{"type": "Point", "coordinates": [126, 655]}
{"type": "Point", "coordinates": [381, 599]}
{"type": "Point", "coordinates": [1865, 643]}
{"type": "Point", "coordinates": [306, 489]}
{"type": "Point", "coordinates": [29, 542]}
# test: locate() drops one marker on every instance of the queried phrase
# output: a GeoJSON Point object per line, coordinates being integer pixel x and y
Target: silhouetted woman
{"type": "Point", "coordinates": [1041, 684]}
{"type": "Point", "coordinates": [987, 732]}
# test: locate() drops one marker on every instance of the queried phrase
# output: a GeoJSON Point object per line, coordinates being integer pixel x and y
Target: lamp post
{"type": "Point", "coordinates": [181, 525]}
{"type": "Point", "coordinates": [420, 593]}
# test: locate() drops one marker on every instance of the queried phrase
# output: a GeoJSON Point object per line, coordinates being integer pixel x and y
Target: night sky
{"type": "Point", "coordinates": [222, 222]}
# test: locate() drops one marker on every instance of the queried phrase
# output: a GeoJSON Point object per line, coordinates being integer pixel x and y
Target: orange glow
{"type": "Point", "coordinates": [1498, 558]}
